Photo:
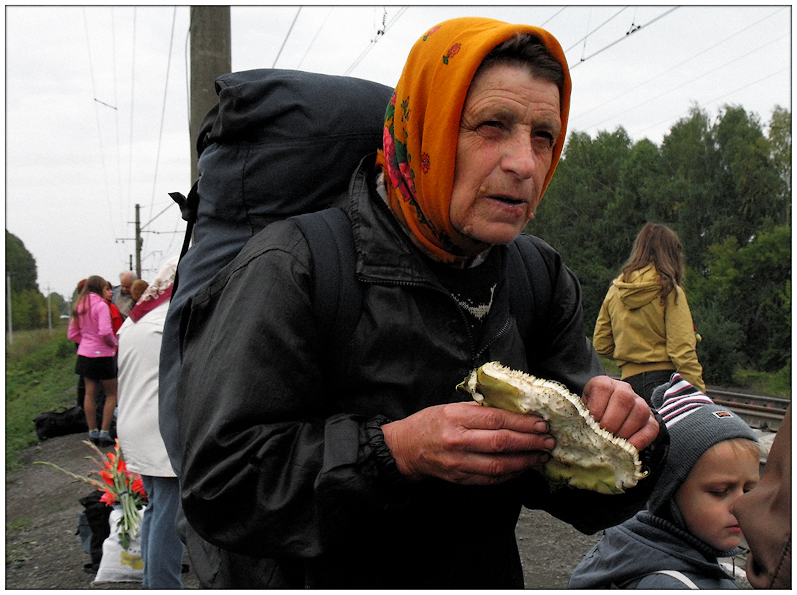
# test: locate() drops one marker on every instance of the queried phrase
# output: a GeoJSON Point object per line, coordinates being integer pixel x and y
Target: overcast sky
{"type": "Point", "coordinates": [97, 103]}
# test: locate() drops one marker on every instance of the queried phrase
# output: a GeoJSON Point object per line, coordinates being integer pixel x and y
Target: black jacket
{"type": "Point", "coordinates": [282, 455]}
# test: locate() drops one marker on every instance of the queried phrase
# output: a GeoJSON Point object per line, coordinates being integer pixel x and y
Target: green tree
{"type": "Point", "coordinates": [28, 305]}
{"type": "Point", "coordinates": [689, 192]}
{"type": "Point", "coordinates": [20, 265]}
{"type": "Point", "coordinates": [751, 285]}
{"type": "Point", "coordinates": [59, 305]}
{"type": "Point", "coordinates": [28, 310]}
{"type": "Point", "coordinates": [572, 217]}
{"type": "Point", "coordinates": [780, 152]}
{"type": "Point", "coordinates": [749, 182]}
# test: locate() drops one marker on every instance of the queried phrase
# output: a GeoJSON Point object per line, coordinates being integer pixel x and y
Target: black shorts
{"type": "Point", "coordinates": [96, 368]}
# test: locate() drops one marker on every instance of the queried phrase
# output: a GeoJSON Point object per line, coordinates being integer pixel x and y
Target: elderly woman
{"type": "Point", "coordinates": [365, 469]}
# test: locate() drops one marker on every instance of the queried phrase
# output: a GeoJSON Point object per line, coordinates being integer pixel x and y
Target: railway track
{"type": "Point", "coordinates": [760, 412]}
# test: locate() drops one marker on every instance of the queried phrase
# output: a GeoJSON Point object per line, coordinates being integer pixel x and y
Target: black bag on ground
{"type": "Point", "coordinates": [72, 420]}
{"type": "Point", "coordinates": [93, 525]}
{"type": "Point", "coordinates": [60, 422]}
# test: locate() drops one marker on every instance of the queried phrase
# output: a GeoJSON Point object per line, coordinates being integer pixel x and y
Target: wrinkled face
{"type": "Point", "coordinates": [125, 283]}
{"type": "Point", "coordinates": [508, 128]}
{"type": "Point", "coordinates": [712, 487]}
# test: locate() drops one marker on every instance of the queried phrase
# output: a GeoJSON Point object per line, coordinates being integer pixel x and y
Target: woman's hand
{"type": "Point", "coordinates": [467, 443]}
{"type": "Point", "coordinates": [618, 409]}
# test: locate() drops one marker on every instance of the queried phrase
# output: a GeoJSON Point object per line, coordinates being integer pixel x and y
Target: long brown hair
{"type": "Point", "coordinates": [94, 284]}
{"type": "Point", "coordinates": [658, 244]}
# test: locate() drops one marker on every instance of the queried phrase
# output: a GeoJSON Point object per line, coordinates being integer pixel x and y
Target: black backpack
{"type": "Point", "coordinates": [279, 143]}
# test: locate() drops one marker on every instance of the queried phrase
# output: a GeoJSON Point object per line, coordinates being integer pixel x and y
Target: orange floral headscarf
{"type": "Point", "coordinates": [422, 127]}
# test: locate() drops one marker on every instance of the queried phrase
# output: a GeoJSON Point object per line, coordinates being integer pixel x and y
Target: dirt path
{"type": "Point", "coordinates": [42, 507]}
{"type": "Point", "coordinates": [44, 552]}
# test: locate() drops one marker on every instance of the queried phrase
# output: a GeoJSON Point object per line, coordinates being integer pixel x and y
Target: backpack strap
{"type": "Point", "coordinates": [337, 296]}
{"type": "Point", "coordinates": [189, 207]}
{"type": "Point", "coordinates": [679, 576]}
{"type": "Point", "coordinates": [530, 290]}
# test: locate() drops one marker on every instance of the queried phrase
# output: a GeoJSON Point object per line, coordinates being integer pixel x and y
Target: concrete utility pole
{"type": "Point", "coordinates": [210, 57]}
{"type": "Point", "coordinates": [49, 311]}
{"type": "Point", "coordinates": [139, 242]}
{"type": "Point", "coordinates": [10, 329]}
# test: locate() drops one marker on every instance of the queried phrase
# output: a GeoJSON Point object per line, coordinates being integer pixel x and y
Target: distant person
{"type": "Point", "coordinates": [689, 522]}
{"type": "Point", "coordinates": [81, 382]}
{"type": "Point", "coordinates": [90, 327]}
{"type": "Point", "coordinates": [764, 514]}
{"type": "Point", "coordinates": [137, 426]}
{"type": "Point", "coordinates": [121, 294]}
{"type": "Point", "coordinates": [116, 315]}
{"type": "Point", "coordinates": [645, 323]}
{"type": "Point", "coordinates": [137, 289]}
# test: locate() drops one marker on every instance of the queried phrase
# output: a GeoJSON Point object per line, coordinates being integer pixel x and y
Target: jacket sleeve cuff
{"type": "Point", "coordinates": [381, 466]}
{"type": "Point", "coordinates": [654, 455]}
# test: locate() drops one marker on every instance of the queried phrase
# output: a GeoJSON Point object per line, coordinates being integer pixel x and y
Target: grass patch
{"type": "Point", "coordinates": [17, 524]}
{"type": "Point", "coordinates": [40, 377]}
{"type": "Point", "coordinates": [611, 368]}
{"type": "Point", "coordinates": [773, 385]}
{"type": "Point", "coordinates": [777, 384]}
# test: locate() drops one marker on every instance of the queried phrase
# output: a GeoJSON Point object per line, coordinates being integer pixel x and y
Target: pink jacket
{"type": "Point", "coordinates": [93, 332]}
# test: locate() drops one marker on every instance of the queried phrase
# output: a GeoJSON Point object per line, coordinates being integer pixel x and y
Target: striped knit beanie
{"type": "Point", "coordinates": [695, 424]}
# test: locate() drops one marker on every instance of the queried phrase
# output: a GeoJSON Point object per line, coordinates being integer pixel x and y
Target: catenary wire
{"type": "Point", "coordinates": [584, 39]}
{"type": "Point", "coordinates": [373, 41]}
{"type": "Point", "coordinates": [626, 36]}
{"type": "Point", "coordinates": [314, 38]}
{"type": "Point", "coordinates": [722, 96]}
{"type": "Point", "coordinates": [677, 65]}
{"type": "Point", "coordinates": [284, 41]}
{"type": "Point", "coordinates": [163, 110]}
{"type": "Point", "coordinates": [690, 81]}
{"type": "Point", "coordinates": [118, 143]}
{"type": "Point", "coordinates": [132, 111]}
{"type": "Point", "coordinates": [99, 128]}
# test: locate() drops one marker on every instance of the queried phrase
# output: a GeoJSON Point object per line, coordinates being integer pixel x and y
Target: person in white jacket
{"type": "Point", "coordinates": [137, 427]}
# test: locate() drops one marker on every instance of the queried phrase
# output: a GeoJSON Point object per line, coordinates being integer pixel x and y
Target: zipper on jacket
{"type": "Point", "coordinates": [471, 339]}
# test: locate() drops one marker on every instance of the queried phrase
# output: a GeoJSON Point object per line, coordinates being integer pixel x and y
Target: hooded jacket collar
{"type": "Point", "coordinates": [642, 288]}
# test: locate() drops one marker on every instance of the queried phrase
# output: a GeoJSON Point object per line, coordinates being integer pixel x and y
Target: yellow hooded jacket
{"type": "Point", "coordinates": [641, 334]}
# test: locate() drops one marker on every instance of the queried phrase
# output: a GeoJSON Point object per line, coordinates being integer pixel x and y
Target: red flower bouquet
{"type": "Point", "coordinates": [121, 487]}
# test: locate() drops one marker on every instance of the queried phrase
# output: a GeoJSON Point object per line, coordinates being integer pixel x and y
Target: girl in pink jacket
{"type": "Point", "coordinates": [90, 327]}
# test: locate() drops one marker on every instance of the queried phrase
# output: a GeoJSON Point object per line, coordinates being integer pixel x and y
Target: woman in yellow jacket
{"type": "Point", "coordinates": [645, 324]}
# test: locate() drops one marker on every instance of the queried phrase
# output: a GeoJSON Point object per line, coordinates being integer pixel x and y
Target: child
{"type": "Point", "coordinates": [137, 289]}
{"type": "Point", "coordinates": [689, 521]}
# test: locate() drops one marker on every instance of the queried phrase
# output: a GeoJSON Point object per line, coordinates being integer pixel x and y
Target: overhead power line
{"type": "Point", "coordinates": [380, 33]}
{"type": "Point", "coordinates": [692, 80]}
{"type": "Point", "coordinates": [284, 41]}
{"type": "Point", "coordinates": [623, 37]}
{"type": "Point", "coordinates": [556, 14]}
{"type": "Point", "coordinates": [315, 37]}
{"type": "Point", "coordinates": [676, 66]}
{"type": "Point", "coordinates": [132, 111]}
{"type": "Point", "coordinates": [584, 39]}
{"type": "Point", "coordinates": [99, 128]}
{"type": "Point", "coordinates": [163, 110]}
{"type": "Point", "coordinates": [724, 95]}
